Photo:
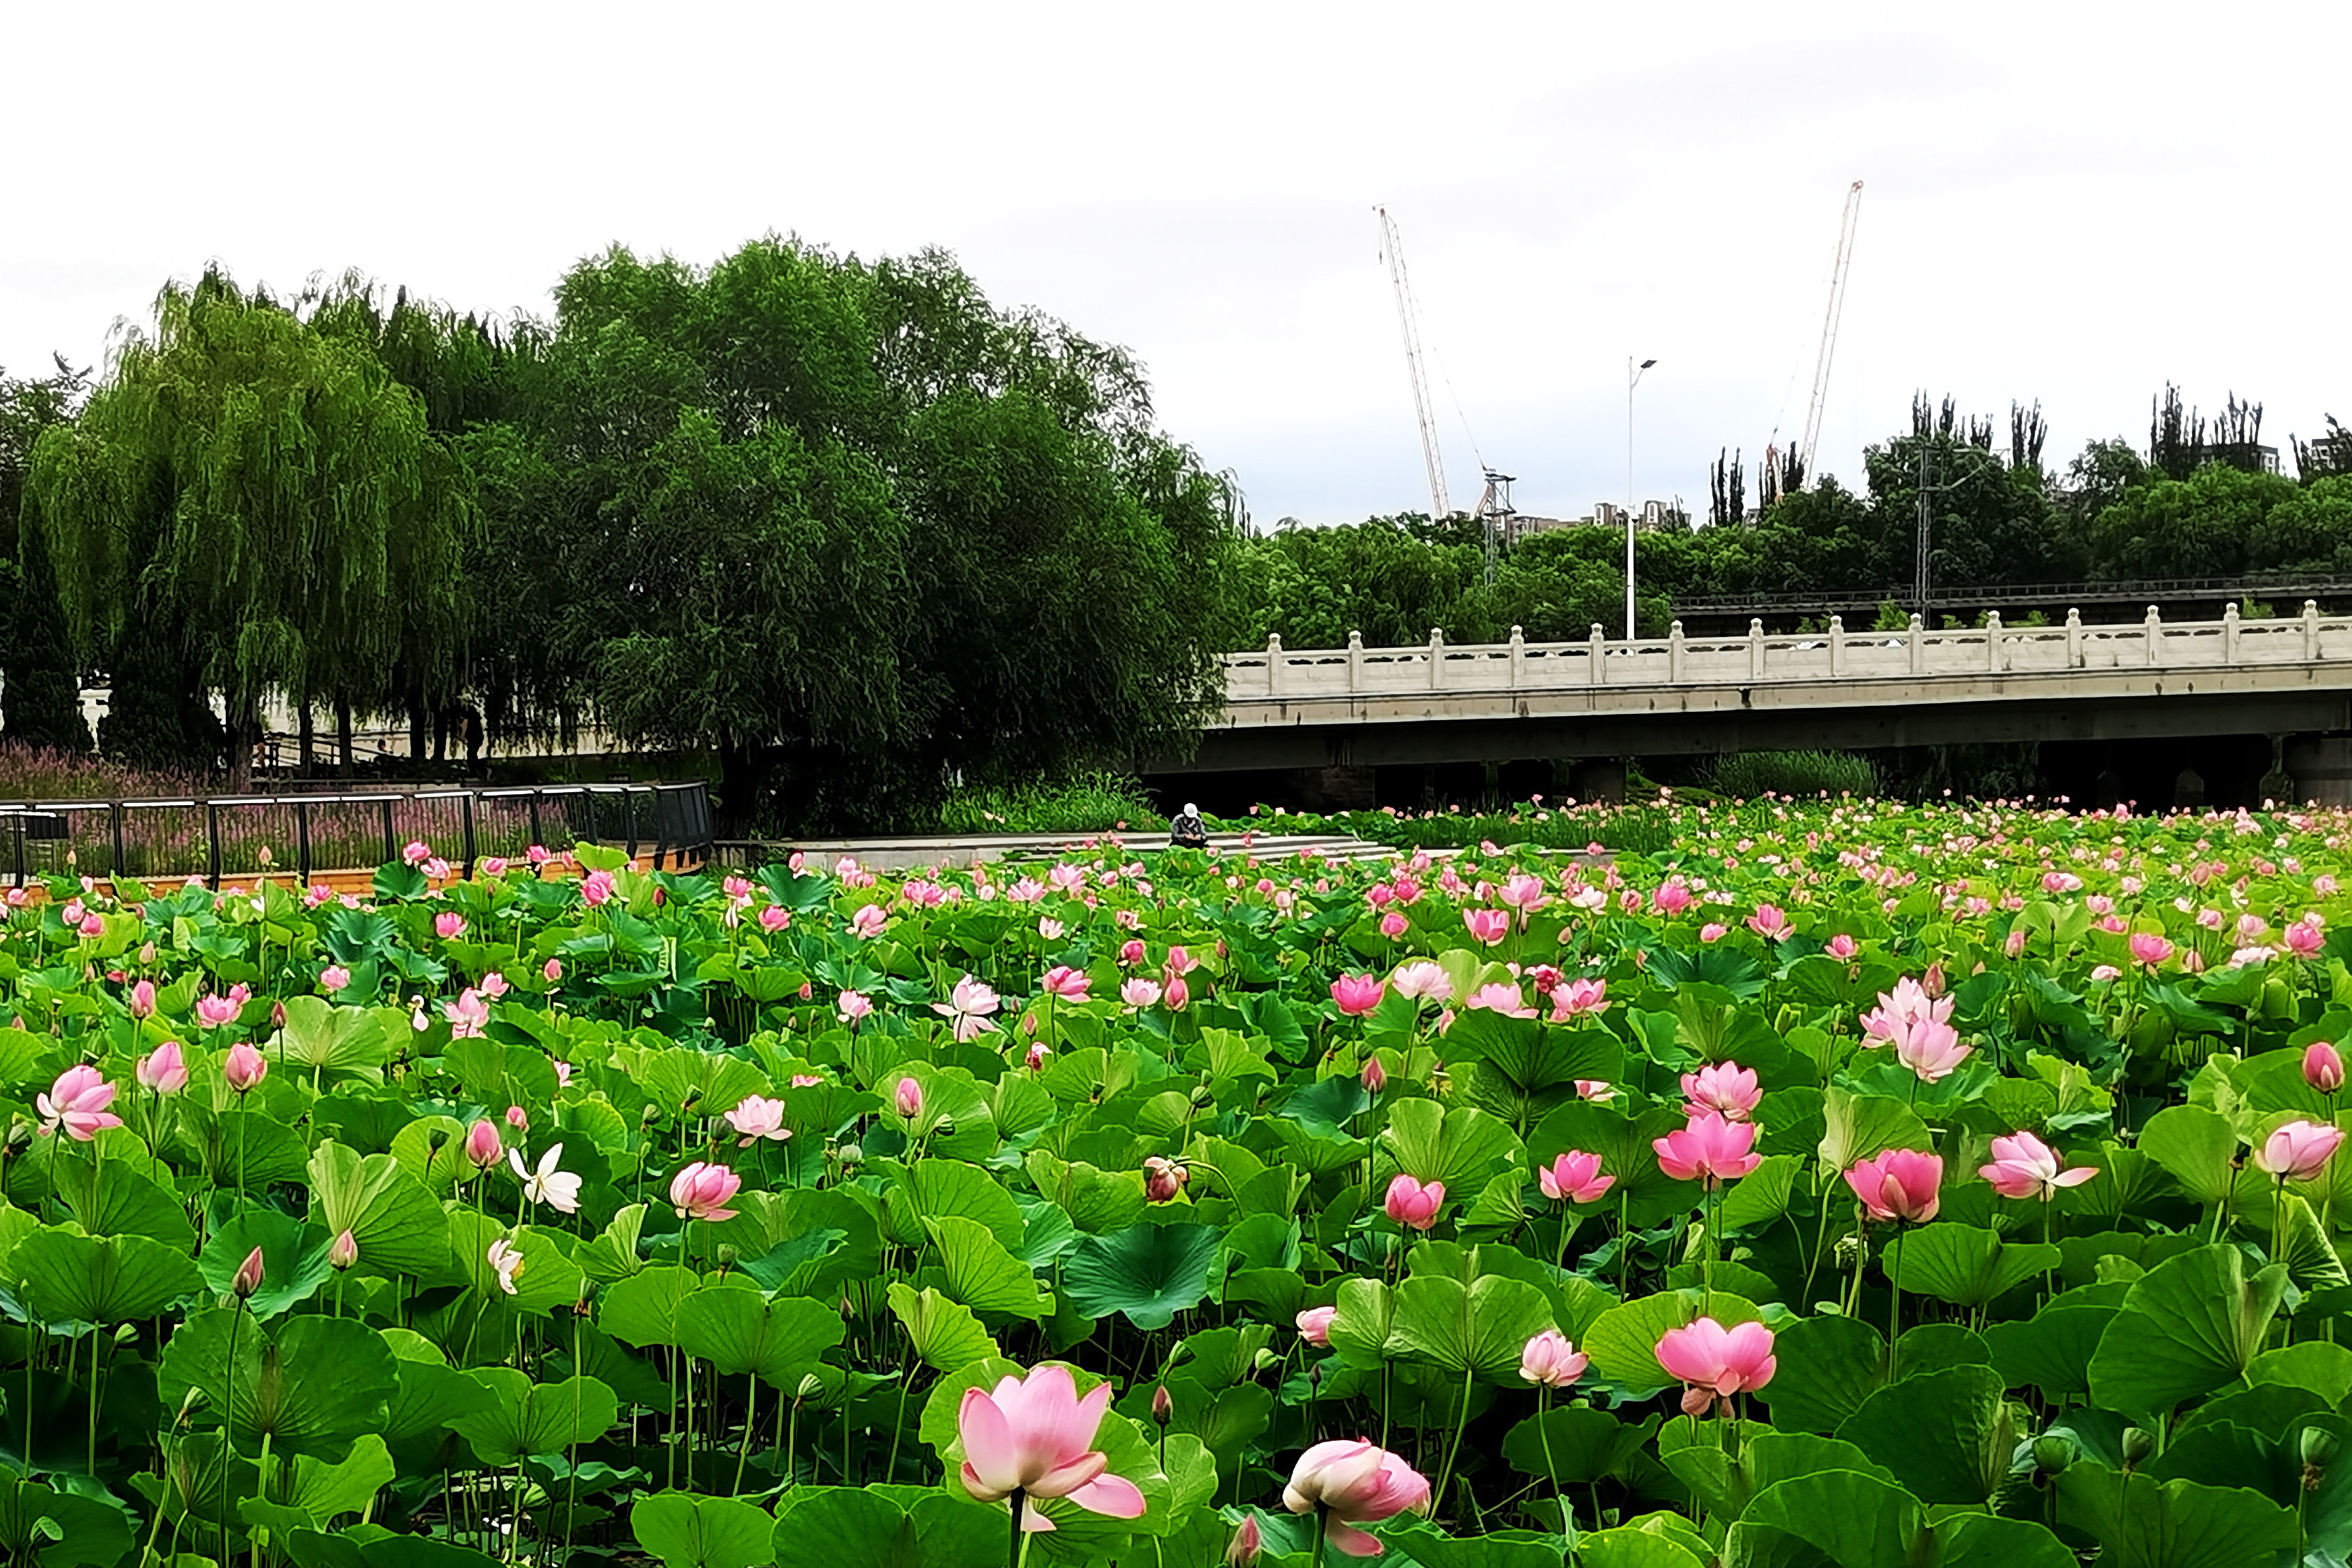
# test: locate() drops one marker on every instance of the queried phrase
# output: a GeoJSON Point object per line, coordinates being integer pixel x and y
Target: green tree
{"type": "Point", "coordinates": [263, 498]}
{"type": "Point", "coordinates": [2196, 527]}
{"type": "Point", "coordinates": [40, 678]}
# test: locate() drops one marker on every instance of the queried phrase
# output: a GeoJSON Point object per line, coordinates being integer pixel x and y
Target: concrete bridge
{"type": "Point", "coordinates": [1360, 707]}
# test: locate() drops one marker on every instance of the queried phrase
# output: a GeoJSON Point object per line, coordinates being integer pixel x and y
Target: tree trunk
{"type": "Point", "coordinates": [308, 746]}
{"type": "Point", "coordinates": [416, 729]}
{"type": "Point", "coordinates": [441, 734]}
{"type": "Point", "coordinates": [244, 734]}
{"type": "Point", "coordinates": [344, 733]}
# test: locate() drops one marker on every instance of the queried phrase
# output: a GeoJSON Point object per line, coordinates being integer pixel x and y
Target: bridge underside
{"type": "Point", "coordinates": [1855, 722]}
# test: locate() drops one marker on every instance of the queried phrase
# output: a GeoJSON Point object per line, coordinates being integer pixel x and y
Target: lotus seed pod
{"type": "Point", "coordinates": [2053, 1452]}
{"type": "Point", "coordinates": [2137, 1445]}
{"type": "Point", "coordinates": [2319, 1446]}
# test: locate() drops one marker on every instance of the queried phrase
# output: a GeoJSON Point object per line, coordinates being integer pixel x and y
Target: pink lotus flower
{"type": "Point", "coordinates": [1550, 1361]}
{"type": "Point", "coordinates": [2304, 938]}
{"type": "Point", "coordinates": [1709, 1149]}
{"type": "Point", "coordinates": [1502, 997]}
{"type": "Point", "coordinates": [1034, 1057]}
{"type": "Point", "coordinates": [1032, 1436]}
{"type": "Point", "coordinates": [774, 918]}
{"type": "Point", "coordinates": [596, 888]}
{"type": "Point", "coordinates": [163, 1070]}
{"type": "Point", "coordinates": [1394, 925]}
{"type": "Point", "coordinates": [1487, 926]}
{"type": "Point", "coordinates": [218, 1011]}
{"type": "Point", "coordinates": [76, 1101]}
{"type": "Point", "coordinates": [1713, 932]}
{"type": "Point", "coordinates": [1130, 952]}
{"type": "Point", "coordinates": [969, 1004]}
{"type": "Point", "coordinates": [333, 978]}
{"type": "Point", "coordinates": [448, 925]}
{"type": "Point", "coordinates": [1599, 1091]}
{"type": "Point", "coordinates": [1726, 1089]}
{"type": "Point", "coordinates": [1524, 893]}
{"type": "Point", "coordinates": [1138, 992]}
{"type": "Point", "coordinates": [1062, 980]}
{"type": "Point", "coordinates": [518, 1119]}
{"type": "Point", "coordinates": [249, 1276]}
{"type": "Point", "coordinates": [1374, 1076]}
{"type": "Point", "coordinates": [908, 1098]}
{"type": "Point", "coordinates": [1176, 994]}
{"type": "Point", "coordinates": [344, 1251]}
{"type": "Point", "coordinates": [2297, 1150]}
{"type": "Point", "coordinates": [483, 1146]}
{"type": "Point", "coordinates": [1315, 1325]}
{"type": "Point", "coordinates": [1715, 1363]}
{"type": "Point", "coordinates": [493, 866]}
{"type": "Point", "coordinates": [143, 1000]}
{"type": "Point", "coordinates": [1163, 1179]}
{"type": "Point", "coordinates": [1357, 994]}
{"type": "Point", "coordinates": [1354, 1483]}
{"type": "Point", "coordinates": [1578, 997]}
{"type": "Point", "coordinates": [867, 921]}
{"type": "Point", "coordinates": [506, 1259]}
{"type": "Point", "coordinates": [2023, 1166]}
{"type": "Point", "coordinates": [245, 1068]}
{"type": "Point", "coordinates": [701, 1191]}
{"type": "Point", "coordinates": [1574, 1177]}
{"type": "Point", "coordinates": [416, 852]}
{"type": "Point", "coordinates": [850, 1007]}
{"type": "Point", "coordinates": [1414, 1204]}
{"type": "Point", "coordinates": [1841, 946]}
{"type": "Point", "coordinates": [1671, 898]}
{"type": "Point", "coordinates": [2149, 949]}
{"type": "Point", "coordinates": [1899, 1185]}
{"type": "Point", "coordinates": [1770, 923]}
{"type": "Point", "coordinates": [468, 1016]}
{"type": "Point", "coordinates": [1422, 981]}
{"type": "Point", "coordinates": [1248, 1543]}
{"type": "Point", "coordinates": [2323, 1067]}
{"type": "Point", "coordinates": [1930, 1049]}
{"type": "Point", "coordinates": [757, 1117]}
{"type": "Point", "coordinates": [1907, 1003]}
{"type": "Point", "coordinates": [551, 972]}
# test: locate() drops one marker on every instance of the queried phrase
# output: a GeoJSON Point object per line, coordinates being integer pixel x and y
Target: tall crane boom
{"type": "Point", "coordinates": [1392, 251]}
{"type": "Point", "coordinates": [1830, 324]}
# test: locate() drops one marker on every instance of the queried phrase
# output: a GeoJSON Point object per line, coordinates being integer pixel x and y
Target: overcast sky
{"type": "Point", "coordinates": [2063, 200]}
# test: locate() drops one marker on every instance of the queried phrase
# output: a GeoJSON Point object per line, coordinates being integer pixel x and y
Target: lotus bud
{"type": "Point", "coordinates": [2319, 1446]}
{"type": "Point", "coordinates": [344, 1252]}
{"type": "Point", "coordinates": [1163, 1409]}
{"type": "Point", "coordinates": [811, 1385]}
{"type": "Point", "coordinates": [2136, 1445]}
{"type": "Point", "coordinates": [277, 1015]}
{"type": "Point", "coordinates": [851, 1156]}
{"type": "Point", "coordinates": [1248, 1542]}
{"type": "Point", "coordinates": [2053, 1452]}
{"type": "Point", "coordinates": [249, 1276]}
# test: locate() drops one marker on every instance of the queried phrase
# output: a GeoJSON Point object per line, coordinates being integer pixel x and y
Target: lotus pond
{"type": "Point", "coordinates": [1839, 1183]}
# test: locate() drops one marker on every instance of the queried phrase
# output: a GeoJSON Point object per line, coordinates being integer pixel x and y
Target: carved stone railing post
{"type": "Point", "coordinates": [1917, 633]}
{"type": "Point", "coordinates": [1518, 657]}
{"type": "Point", "coordinates": [2155, 625]}
{"type": "Point", "coordinates": [1755, 648]}
{"type": "Point", "coordinates": [1599, 670]}
{"type": "Point", "coordinates": [1436, 656]}
{"type": "Point", "coordinates": [1355, 661]}
{"type": "Point", "coordinates": [1273, 665]}
{"type": "Point", "coordinates": [1837, 646]}
{"type": "Point", "coordinates": [1992, 641]}
{"type": "Point", "coordinates": [2310, 630]}
{"type": "Point", "coordinates": [1675, 654]}
{"type": "Point", "coordinates": [2229, 634]}
{"type": "Point", "coordinates": [2074, 639]}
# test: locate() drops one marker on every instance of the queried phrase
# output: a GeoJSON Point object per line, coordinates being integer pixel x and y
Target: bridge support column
{"type": "Point", "coordinates": [1600, 781]}
{"type": "Point", "coordinates": [2321, 766]}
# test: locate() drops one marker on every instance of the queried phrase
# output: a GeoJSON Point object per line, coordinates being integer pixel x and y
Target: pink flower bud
{"type": "Point", "coordinates": [484, 1147]}
{"type": "Point", "coordinates": [344, 1252]}
{"type": "Point", "coordinates": [2323, 1067]}
{"type": "Point", "coordinates": [249, 1276]}
{"type": "Point", "coordinates": [245, 1068]}
{"type": "Point", "coordinates": [143, 1000]}
{"type": "Point", "coordinates": [553, 972]}
{"type": "Point", "coordinates": [908, 1098]}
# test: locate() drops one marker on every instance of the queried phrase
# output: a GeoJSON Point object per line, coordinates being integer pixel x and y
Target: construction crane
{"type": "Point", "coordinates": [1829, 326]}
{"type": "Point", "coordinates": [1392, 252]}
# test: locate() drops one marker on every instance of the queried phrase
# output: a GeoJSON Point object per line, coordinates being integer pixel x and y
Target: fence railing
{"type": "Point", "coordinates": [1276, 674]}
{"type": "Point", "coordinates": [219, 837]}
{"type": "Point", "coordinates": [2289, 585]}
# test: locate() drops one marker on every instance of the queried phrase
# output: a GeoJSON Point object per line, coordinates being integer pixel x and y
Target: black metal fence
{"type": "Point", "coordinates": [244, 836]}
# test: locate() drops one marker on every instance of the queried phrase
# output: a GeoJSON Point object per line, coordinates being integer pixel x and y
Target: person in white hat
{"type": "Point", "coordinates": [1187, 831]}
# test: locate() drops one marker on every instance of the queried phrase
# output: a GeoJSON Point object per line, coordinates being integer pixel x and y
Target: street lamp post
{"type": "Point", "coordinates": [1632, 379]}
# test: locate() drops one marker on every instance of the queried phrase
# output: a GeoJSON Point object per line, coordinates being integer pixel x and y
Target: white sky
{"type": "Point", "coordinates": [2065, 201]}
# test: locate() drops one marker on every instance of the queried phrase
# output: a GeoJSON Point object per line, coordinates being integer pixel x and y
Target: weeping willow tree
{"type": "Point", "coordinates": [262, 498]}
